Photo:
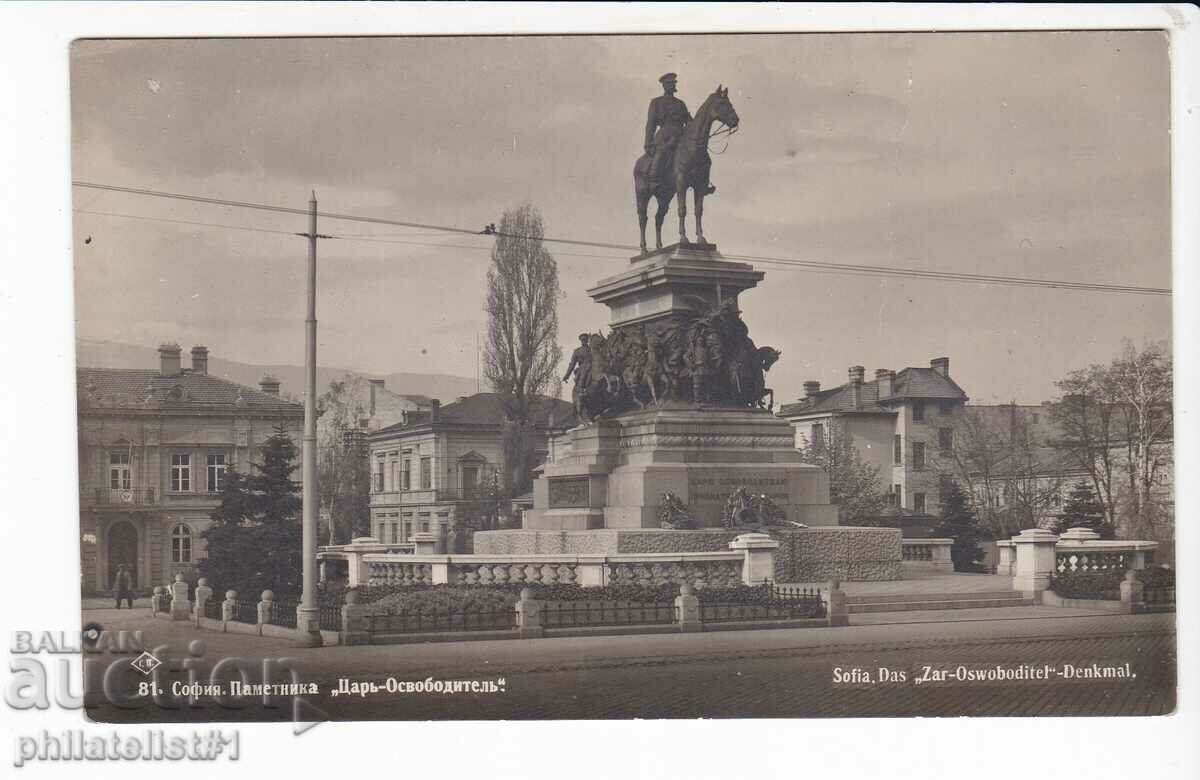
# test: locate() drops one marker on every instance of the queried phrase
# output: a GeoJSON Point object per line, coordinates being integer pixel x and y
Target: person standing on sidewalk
{"type": "Point", "coordinates": [124, 586]}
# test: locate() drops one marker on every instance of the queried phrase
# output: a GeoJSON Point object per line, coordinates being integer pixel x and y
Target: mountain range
{"type": "Point", "coordinates": [110, 354]}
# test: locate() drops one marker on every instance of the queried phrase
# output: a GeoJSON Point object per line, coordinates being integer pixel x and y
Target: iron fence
{"type": "Point", "coordinates": [329, 616]}
{"type": "Point", "coordinates": [770, 602]}
{"type": "Point", "coordinates": [572, 614]}
{"type": "Point", "coordinates": [282, 612]}
{"type": "Point", "coordinates": [1164, 595]}
{"type": "Point", "coordinates": [245, 611]}
{"type": "Point", "coordinates": [406, 621]}
{"type": "Point", "coordinates": [212, 609]}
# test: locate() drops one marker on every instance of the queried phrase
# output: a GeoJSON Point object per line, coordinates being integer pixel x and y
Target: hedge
{"type": "Point", "coordinates": [1106, 586]}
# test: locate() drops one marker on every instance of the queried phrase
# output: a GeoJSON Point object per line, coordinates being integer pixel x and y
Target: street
{"type": "Point", "coordinates": [772, 673]}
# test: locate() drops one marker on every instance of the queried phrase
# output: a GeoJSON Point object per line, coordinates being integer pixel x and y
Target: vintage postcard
{"type": "Point", "coordinates": [544, 377]}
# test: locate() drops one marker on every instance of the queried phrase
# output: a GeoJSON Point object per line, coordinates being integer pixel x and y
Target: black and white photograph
{"type": "Point", "coordinates": [647, 374]}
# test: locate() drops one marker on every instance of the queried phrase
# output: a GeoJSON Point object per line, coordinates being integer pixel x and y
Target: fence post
{"type": "Point", "coordinates": [264, 609]}
{"type": "Point", "coordinates": [355, 630]}
{"type": "Point", "coordinates": [687, 609]}
{"type": "Point", "coordinates": [181, 608]}
{"type": "Point", "coordinates": [1133, 594]}
{"type": "Point", "coordinates": [159, 592]}
{"type": "Point", "coordinates": [439, 572]}
{"type": "Point", "coordinates": [529, 616]}
{"type": "Point", "coordinates": [203, 594]}
{"type": "Point", "coordinates": [1035, 561]}
{"type": "Point", "coordinates": [839, 612]}
{"type": "Point", "coordinates": [1006, 553]}
{"type": "Point", "coordinates": [758, 563]}
{"type": "Point", "coordinates": [227, 607]}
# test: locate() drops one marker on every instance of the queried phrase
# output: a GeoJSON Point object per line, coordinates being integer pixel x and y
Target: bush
{"type": "Point", "coordinates": [1088, 585]}
{"type": "Point", "coordinates": [1157, 577]}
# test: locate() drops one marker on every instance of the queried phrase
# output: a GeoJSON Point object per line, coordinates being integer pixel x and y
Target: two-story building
{"type": "Point", "coordinates": [430, 470]}
{"type": "Point", "coordinates": [901, 422]}
{"type": "Point", "coordinates": [154, 445]}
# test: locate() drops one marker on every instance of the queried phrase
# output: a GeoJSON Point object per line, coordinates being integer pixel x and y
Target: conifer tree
{"type": "Point", "coordinates": [1083, 510]}
{"type": "Point", "coordinates": [960, 524]}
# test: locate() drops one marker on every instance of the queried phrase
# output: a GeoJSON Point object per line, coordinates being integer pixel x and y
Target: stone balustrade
{"type": "Point", "coordinates": [699, 569]}
{"type": "Point", "coordinates": [1035, 555]}
{"type": "Point", "coordinates": [927, 554]}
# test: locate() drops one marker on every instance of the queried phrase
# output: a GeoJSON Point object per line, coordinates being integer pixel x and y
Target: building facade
{"type": "Point", "coordinates": [154, 446]}
{"type": "Point", "coordinates": [434, 469]}
{"type": "Point", "coordinates": [901, 422]}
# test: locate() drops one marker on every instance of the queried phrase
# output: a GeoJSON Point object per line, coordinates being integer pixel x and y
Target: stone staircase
{"type": "Point", "coordinates": [900, 602]}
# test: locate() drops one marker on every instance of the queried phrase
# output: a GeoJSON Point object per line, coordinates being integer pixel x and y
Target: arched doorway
{"type": "Point", "coordinates": [122, 548]}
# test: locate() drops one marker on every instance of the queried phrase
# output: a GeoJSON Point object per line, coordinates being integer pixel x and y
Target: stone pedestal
{"type": "Point", "coordinates": [758, 565]}
{"type": "Point", "coordinates": [612, 473]}
{"type": "Point", "coordinates": [425, 543]}
{"type": "Point", "coordinates": [1034, 560]}
{"type": "Point", "coordinates": [181, 608]}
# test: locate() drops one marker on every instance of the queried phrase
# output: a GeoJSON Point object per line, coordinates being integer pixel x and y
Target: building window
{"type": "Point", "coordinates": [918, 463]}
{"type": "Point", "coordinates": [426, 473]}
{"type": "Point", "coordinates": [919, 503]}
{"type": "Point", "coordinates": [918, 411]}
{"type": "Point", "coordinates": [181, 544]}
{"type": "Point", "coordinates": [945, 407]}
{"type": "Point", "coordinates": [818, 436]}
{"type": "Point", "coordinates": [181, 473]}
{"type": "Point", "coordinates": [897, 496]}
{"type": "Point", "coordinates": [423, 524]}
{"type": "Point", "coordinates": [377, 478]}
{"type": "Point", "coordinates": [470, 481]}
{"type": "Point", "coordinates": [898, 449]}
{"type": "Point", "coordinates": [118, 470]}
{"type": "Point", "coordinates": [406, 475]}
{"type": "Point", "coordinates": [216, 471]}
{"type": "Point", "coordinates": [380, 535]}
{"type": "Point", "coordinates": [1035, 417]}
{"type": "Point", "coordinates": [945, 439]}
{"type": "Point", "coordinates": [395, 532]}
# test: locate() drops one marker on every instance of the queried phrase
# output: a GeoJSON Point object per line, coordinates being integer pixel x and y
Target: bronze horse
{"type": "Point", "coordinates": [689, 168]}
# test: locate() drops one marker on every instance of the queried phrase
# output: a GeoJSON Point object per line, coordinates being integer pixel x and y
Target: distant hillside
{"type": "Point", "coordinates": [108, 354]}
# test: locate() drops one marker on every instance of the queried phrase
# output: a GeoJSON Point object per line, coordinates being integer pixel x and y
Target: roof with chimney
{"type": "Point", "coordinates": [485, 409]}
{"type": "Point", "coordinates": [913, 383]}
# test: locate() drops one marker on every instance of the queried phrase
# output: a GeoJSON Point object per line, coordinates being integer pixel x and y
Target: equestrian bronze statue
{"type": "Point", "coordinates": [677, 158]}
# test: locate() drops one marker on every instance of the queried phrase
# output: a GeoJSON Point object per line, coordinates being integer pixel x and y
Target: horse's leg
{"type": "Point", "coordinates": [681, 205]}
{"type": "Point", "coordinates": [664, 205]}
{"type": "Point", "coordinates": [698, 195]}
{"type": "Point", "coordinates": [643, 203]}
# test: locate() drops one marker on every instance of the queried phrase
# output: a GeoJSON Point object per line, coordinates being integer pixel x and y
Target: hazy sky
{"type": "Point", "coordinates": [1022, 154]}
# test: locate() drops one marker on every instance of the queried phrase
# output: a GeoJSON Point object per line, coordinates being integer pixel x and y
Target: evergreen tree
{"type": "Point", "coordinates": [958, 522]}
{"type": "Point", "coordinates": [1083, 510]}
{"type": "Point", "coordinates": [255, 541]}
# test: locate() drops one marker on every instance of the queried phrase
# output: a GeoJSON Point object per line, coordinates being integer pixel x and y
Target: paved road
{"type": "Point", "coordinates": [783, 673]}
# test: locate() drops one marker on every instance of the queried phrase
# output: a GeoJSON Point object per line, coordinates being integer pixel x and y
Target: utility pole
{"type": "Point", "coordinates": [308, 629]}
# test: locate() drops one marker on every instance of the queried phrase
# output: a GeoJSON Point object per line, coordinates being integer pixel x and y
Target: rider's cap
{"type": "Point", "coordinates": [664, 78]}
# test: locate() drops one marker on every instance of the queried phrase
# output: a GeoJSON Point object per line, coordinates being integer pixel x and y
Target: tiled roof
{"type": "Point", "coordinates": [148, 389]}
{"type": "Point", "coordinates": [910, 383]}
{"type": "Point", "coordinates": [487, 409]}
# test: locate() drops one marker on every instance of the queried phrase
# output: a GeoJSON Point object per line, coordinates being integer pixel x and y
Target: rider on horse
{"type": "Point", "coordinates": [664, 125]}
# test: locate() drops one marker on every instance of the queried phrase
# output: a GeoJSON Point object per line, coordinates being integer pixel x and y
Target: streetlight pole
{"type": "Point", "coordinates": [308, 629]}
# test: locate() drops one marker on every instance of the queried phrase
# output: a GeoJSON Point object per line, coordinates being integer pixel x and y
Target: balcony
{"type": "Point", "coordinates": [123, 497]}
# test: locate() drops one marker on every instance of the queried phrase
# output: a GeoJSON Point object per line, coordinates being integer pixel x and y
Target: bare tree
{"type": "Point", "coordinates": [854, 485]}
{"type": "Point", "coordinates": [521, 355]}
{"type": "Point", "coordinates": [1117, 424]}
{"type": "Point", "coordinates": [342, 468]}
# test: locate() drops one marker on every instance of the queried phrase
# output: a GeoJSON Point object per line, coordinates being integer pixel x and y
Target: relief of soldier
{"type": "Point", "coordinates": [705, 359]}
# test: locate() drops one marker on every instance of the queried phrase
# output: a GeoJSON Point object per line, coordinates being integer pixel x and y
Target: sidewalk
{"type": "Point", "coordinates": [883, 631]}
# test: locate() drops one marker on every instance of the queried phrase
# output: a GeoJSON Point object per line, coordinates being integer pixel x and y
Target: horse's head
{"type": "Point", "coordinates": [722, 108]}
{"type": "Point", "coordinates": [768, 356]}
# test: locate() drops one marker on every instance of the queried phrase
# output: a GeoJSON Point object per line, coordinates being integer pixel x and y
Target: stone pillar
{"type": "Point", "coordinates": [529, 616]}
{"type": "Point", "coordinates": [426, 542]}
{"type": "Point", "coordinates": [322, 572]}
{"type": "Point", "coordinates": [227, 607]}
{"type": "Point", "coordinates": [264, 608]}
{"type": "Point", "coordinates": [839, 612]}
{"type": "Point", "coordinates": [439, 572]}
{"type": "Point", "coordinates": [181, 608]}
{"type": "Point", "coordinates": [758, 563]}
{"type": "Point", "coordinates": [160, 592]}
{"type": "Point", "coordinates": [1007, 558]}
{"type": "Point", "coordinates": [687, 609]}
{"type": "Point", "coordinates": [1035, 561]}
{"type": "Point", "coordinates": [203, 594]}
{"type": "Point", "coordinates": [1079, 534]}
{"type": "Point", "coordinates": [939, 555]}
{"type": "Point", "coordinates": [591, 573]}
{"type": "Point", "coordinates": [357, 570]}
{"type": "Point", "coordinates": [355, 624]}
{"type": "Point", "coordinates": [1133, 597]}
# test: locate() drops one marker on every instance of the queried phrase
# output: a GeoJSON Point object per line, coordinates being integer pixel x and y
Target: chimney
{"type": "Point", "coordinates": [434, 405]}
{"type": "Point", "coordinates": [269, 385]}
{"type": "Point", "coordinates": [811, 388]}
{"type": "Point", "coordinates": [199, 360]}
{"type": "Point", "coordinates": [375, 384]}
{"type": "Point", "coordinates": [884, 377]}
{"type": "Point", "coordinates": [856, 374]}
{"type": "Point", "coordinates": [941, 365]}
{"type": "Point", "coordinates": [168, 359]}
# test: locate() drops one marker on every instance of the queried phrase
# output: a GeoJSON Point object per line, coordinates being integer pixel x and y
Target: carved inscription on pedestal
{"type": "Point", "coordinates": [568, 492]}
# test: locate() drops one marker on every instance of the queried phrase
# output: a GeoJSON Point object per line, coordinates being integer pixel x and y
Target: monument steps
{"type": "Point", "coordinates": [927, 601]}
